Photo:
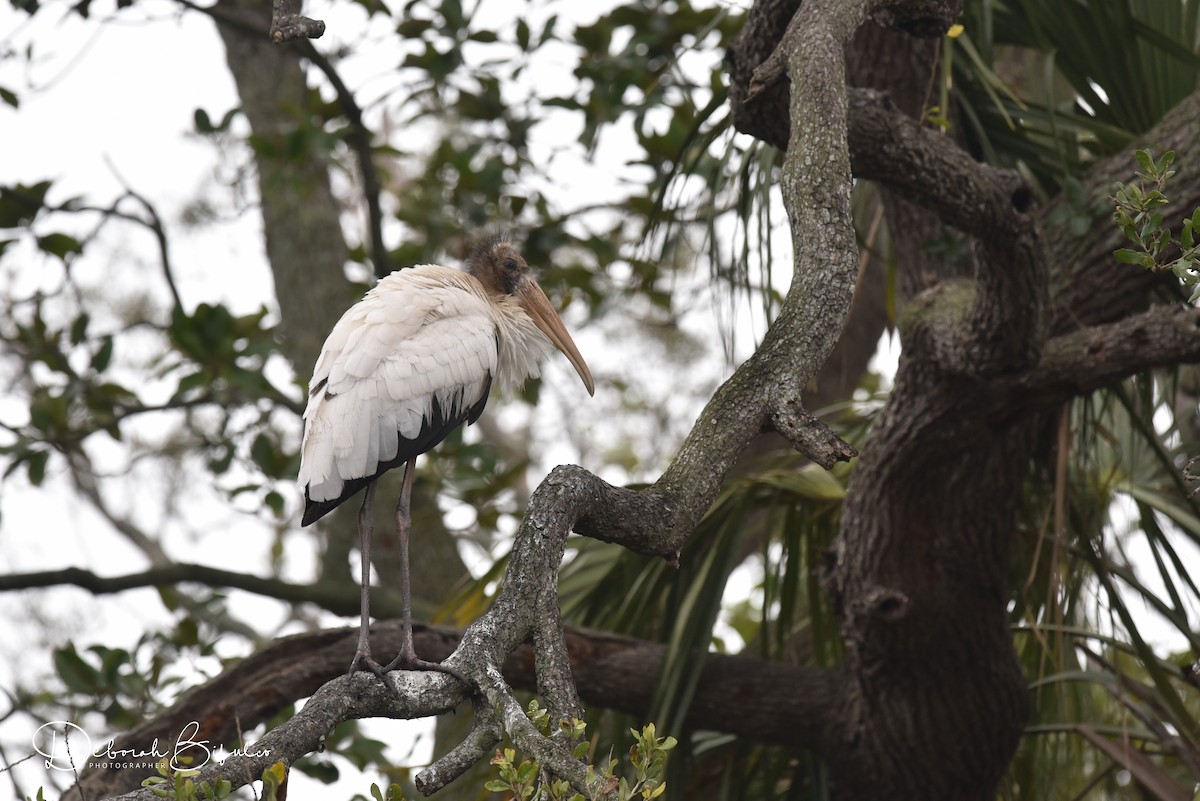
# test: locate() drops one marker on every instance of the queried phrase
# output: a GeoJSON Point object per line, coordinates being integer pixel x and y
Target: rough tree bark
{"type": "Point", "coordinates": [923, 554]}
{"type": "Point", "coordinates": [929, 701]}
{"type": "Point", "coordinates": [305, 246]}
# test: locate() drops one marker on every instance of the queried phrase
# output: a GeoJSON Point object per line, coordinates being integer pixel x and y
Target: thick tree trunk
{"type": "Point", "coordinates": [305, 246]}
{"type": "Point", "coordinates": [936, 700]}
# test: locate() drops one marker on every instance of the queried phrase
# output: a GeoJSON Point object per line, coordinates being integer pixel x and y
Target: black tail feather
{"type": "Point", "coordinates": [434, 429]}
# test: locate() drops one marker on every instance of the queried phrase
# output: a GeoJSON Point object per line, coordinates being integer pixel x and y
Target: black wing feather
{"type": "Point", "coordinates": [434, 429]}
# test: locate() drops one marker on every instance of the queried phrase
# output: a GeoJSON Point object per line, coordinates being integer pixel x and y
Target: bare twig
{"type": "Point", "coordinates": [84, 477]}
{"type": "Point", "coordinates": [154, 223]}
{"type": "Point", "coordinates": [359, 141]}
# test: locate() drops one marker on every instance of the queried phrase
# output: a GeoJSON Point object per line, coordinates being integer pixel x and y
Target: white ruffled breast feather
{"type": "Point", "coordinates": [523, 347]}
{"type": "Point", "coordinates": [422, 333]}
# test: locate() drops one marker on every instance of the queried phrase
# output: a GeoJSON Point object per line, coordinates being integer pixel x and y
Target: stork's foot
{"type": "Point", "coordinates": [407, 659]}
{"type": "Point", "coordinates": [403, 661]}
{"type": "Point", "coordinates": [364, 662]}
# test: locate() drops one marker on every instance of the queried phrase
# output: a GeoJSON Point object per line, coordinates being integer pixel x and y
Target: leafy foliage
{"type": "Point", "coordinates": [178, 784]}
{"type": "Point", "coordinates": [1050, 86]}
{"type": "Point", "coordinates": [1139, 217]}
{"type": "Point", "coordinates": [523, 779]}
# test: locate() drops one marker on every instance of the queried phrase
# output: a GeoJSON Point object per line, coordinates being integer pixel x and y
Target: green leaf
{"type": "Point", "coordinates": [20, 203]}
{"type": "Point", "coordinates": [412, 28]}
{"type": "Point", "coordinates": [189, 383]}
{"type": "Point", "coordinates": [60, 245]}
{"type": "Point", "coordinates": [102, 357]}
{"type": "Point", "coordinates": [79, 328]}
{"type": "Point", "coordinates": [48, 412]}
{"type": "Point", "coordinates": [76, 673]}
{"type": "Point", "coordinates": [527, 771]}
{"type": "Point", "coordinates": [548, 29]}
{"type": "Point", "coordinates": [9, 97]}
{"type": "Point", "coordinates": [202, 122]}
{"type": "Point", "coordinates": [1165, 162]}
{"type": "Point", "coordinates": [1127, 256]}
{"type": "Point", "coordinates": [274, 502]}
{"type": "Point", "coordinates": [452, 13]}
{"type": "Point", "coordinates": [324, 772]}
{"type": "Point", "coordinates": [36, 467]}
{"type": "Point", "coordinates": [273, 779]}
{"type": "Point", "coordinates": [262, 451]}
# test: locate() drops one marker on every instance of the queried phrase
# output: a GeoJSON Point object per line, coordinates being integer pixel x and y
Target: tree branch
{"type": "Point", "coordinates": [360, 142]}
{"type": "Point", "coordinates": [287, 25]}
{"type": "Point", "coordinates": [84, 478]}
{"type": "Point", "coordinates": [360, 136]}
{"type": "Point", "coordinates": [734, 694]}
{"type": "Point", "coordinates": [926, 167]}
{"type": "Point", "coordinates": [1002, 332]}
{"type": "Point", "coordinates": [345, 698]}
{"type": "Point", "coordinates": [338, 600]}
{"type": "Point", "coordinates": [1089, 359]}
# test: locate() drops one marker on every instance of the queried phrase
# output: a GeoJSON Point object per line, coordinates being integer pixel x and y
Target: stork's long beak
{"type": "Point", "coordinates": [538, 307]}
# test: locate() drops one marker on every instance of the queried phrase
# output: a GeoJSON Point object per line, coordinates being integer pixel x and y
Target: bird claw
{"type": "Point", "coordinates": [410, 661]}
{"type": "Point", "coordinates": [360, 656]}
{"type": "Point", "coordinates": [403, 661]}
{"type": "Point", "coordinates": [379, 670]}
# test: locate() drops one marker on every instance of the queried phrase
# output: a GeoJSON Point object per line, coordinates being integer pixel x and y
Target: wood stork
{"type": "Point", "coordinates": [405, 366]}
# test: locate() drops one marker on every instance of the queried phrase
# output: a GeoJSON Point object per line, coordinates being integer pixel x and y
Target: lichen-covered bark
{"type": "Point", "coordinates": [920, 569]}
{"type": "Point", "coordinates": [936, 702]}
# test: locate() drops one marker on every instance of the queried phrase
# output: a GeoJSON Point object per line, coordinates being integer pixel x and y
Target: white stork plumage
{"type": "Point", "coordinates": [409, 363]}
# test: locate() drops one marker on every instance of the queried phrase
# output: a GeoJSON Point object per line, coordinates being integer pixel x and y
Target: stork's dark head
{"type": "Point", "coordinates": [497, 265]}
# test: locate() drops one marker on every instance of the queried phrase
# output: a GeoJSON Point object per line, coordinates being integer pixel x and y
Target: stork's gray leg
{"type": "Point", "coordinates": [362, 655]}
{"type": "Point", "coordinates": [403, 528]}
{"type": "Point", "coordinates": [407, 659]}
{"type": "Point", "coordinates": [366, 525]}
